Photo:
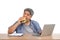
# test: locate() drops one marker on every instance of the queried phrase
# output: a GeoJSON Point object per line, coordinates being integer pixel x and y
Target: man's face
{"type": "Point", "coordinates": [27, 15]}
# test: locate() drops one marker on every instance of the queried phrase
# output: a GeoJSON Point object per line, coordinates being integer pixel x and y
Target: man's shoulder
{"type": "Point", "coordinates": [33, 21]}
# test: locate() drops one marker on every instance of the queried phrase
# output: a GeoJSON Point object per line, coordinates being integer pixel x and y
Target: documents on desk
{"type": "Point", "coordinates": [16, 34]}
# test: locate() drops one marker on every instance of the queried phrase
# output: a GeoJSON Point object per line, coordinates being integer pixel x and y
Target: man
{"type": "Point", "coordinates": [25, 24]}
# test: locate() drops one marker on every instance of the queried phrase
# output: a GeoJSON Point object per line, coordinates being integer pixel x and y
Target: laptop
{"type": "Point", "coordinates": [47, 30]}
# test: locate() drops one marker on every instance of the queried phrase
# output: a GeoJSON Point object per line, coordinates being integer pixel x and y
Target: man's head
{"type": "Point", "coordinates": [28, 13]}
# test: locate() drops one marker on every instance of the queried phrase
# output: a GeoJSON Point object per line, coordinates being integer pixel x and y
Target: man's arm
{"type": "Point", "coordinates": [13, 27]}
{"type": "Point", "coordinates": [37, 27]}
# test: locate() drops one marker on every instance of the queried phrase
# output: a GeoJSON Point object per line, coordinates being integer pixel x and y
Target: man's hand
{"type": "Point", "coordinates": [21, 19]}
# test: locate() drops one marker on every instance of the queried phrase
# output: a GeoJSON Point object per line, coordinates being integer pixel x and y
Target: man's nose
{"type": "Point", "coordinates": [25, 15]}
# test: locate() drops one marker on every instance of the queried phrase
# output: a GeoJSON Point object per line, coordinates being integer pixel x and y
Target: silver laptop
{"type": "Point", "coordinates": [47, 29]}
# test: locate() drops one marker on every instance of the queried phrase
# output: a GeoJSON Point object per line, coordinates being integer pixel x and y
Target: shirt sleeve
{"type": "Point", "coordinates": [37, 27]}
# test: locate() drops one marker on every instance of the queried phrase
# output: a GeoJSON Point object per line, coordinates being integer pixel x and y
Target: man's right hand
{"type": "Point", "coordinates": [21, 19]}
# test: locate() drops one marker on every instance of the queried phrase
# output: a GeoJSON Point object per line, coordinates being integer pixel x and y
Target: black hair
{"type": "Point", "coordinates": [29, 10]}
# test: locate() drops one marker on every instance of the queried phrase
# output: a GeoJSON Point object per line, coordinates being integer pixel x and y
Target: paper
{"type": "Point", "coordinates": [16, 34]}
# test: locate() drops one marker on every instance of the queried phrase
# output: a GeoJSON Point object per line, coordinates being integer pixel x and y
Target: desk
{"type": "Point", "coordinates": [30, 37]}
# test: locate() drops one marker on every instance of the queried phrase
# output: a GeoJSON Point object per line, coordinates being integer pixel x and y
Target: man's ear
{"type": "Point", "coordinates": [31, 16]}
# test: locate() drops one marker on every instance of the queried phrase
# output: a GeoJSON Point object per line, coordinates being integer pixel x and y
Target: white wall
{"type": "Point", "coordinates": [46, 12]}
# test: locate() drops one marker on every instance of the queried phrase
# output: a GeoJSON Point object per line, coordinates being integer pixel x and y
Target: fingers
{"type": "Point", "coordinates": [21, 19]}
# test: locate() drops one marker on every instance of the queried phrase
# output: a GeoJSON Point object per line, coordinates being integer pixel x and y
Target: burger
{"type": "Point", "coordinates": [24, 20]}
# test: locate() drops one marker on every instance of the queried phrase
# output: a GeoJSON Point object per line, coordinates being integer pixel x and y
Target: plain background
{"type": "Point", "coordinates": [45, 12]}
